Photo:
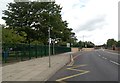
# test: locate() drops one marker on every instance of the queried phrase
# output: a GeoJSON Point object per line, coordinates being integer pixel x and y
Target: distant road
{"type": "Point", "coordinates": [97, 65]}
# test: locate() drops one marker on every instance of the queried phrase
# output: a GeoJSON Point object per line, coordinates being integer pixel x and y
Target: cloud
{"type": "Point", "coordinates": [77, 4]}
{"type": "Point", "coordinates": [92, 18]}
{"type": "Point", "coordinates": [97, 22]}
{"type": "Point", "coordinates": [3, 4]}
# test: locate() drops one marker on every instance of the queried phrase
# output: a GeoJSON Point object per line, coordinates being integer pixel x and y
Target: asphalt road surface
{"type": "Point", "coordinates": [97, 65]}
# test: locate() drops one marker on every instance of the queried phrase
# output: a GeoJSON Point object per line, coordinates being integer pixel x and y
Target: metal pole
{"type": "Point", "coordinates": [49, 48]}
{"type": "Point", "coordinates": [83, 40]}
{"type": "Point", "coordinates": [53, 47]}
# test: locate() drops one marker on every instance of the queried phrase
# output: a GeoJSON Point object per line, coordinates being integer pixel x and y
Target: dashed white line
{"type": "Point", "coordinates": [112, 53]}
{"type": "Point", "coordinates": [114, 62]}
{"type": "Point", "coordinates": [99, 55]}
{"type": "Point", "coordinates": [110, 60]}
{"type": "Point", "coordinates": [104, 58]}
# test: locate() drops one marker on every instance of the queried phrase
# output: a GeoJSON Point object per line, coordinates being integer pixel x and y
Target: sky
{"type": "Point", "coordinates": [91, 20]}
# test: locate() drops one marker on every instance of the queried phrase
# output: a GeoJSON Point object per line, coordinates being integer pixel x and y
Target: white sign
{"type": "Point", "coordinates": [49, 40]}
{"type": "Point", "coordinates": [68, 44]}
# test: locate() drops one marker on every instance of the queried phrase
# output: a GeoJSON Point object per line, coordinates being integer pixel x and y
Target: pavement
{"type": "Point", "coordinates": [114, 51]}
{"type": "Point", "coordinates": [90, 66]}
{"type": "Point", "coordinates": [35, 69]}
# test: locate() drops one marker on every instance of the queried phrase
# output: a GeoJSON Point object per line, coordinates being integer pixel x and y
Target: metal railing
{"type": "Point", "coordinates": [21, 52]}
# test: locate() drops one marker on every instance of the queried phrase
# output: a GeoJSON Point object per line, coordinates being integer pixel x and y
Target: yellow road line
{"type": "Point", "coordinates": [72, 60]}
{"type": "Point", "coordinates": [71, 63]}
{"type": "Point", "coordinates": [75, 56]}
{"type": "Point", "coordinates": [72, 68]}
{"type": "Point", "coordinates": [78, 66]}
{"type": "Point", "coordinates": [76, 70]}
{"type": "Point", "coordinates": [72, 76]}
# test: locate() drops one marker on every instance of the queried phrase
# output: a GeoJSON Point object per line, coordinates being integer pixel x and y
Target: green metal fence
{"type": "Point", "coordinates": [21, 52]}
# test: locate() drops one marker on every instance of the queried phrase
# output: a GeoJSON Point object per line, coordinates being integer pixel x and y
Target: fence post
{"type": "Point", "coordinates": [45, 50]}
{"type": "Point", "coordinates": [5, 55]}
{"type": "Point", "coordinates": [16, 55]}
{"type": "Point", "coordinates": [41, 50]}
{"type": "Point", "coordinates": [36, 50]}
{"type": "Point", "coordinates": [21, 52]}
{"type": "Point", "coordinates": [29, 51]}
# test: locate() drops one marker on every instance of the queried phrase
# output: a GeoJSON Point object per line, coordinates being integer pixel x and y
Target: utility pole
{"type": "Point", "coordinates": [83, 40]}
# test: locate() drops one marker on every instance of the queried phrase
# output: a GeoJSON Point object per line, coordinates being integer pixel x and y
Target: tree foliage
{"type": "Point", "coordinates": [111, 42]}
{"type": "Point", "coordinates": [0, 34]}
{"type": "Point", "coordinates": [118, 44]}
{"type": "Point", "coordinates": [81, 44]}
{"type": "Point", "coordinates": [10, 36]}
{"type": "Point", "coordinates": [34, 19]}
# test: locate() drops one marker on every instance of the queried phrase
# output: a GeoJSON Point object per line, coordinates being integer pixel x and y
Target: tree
{"type": "Point", "coordinates": [81, 44]}
{"type": "Point", "coordinates": [104, 46]}
{"type": "Point", "coordinates": [10, 36]}
{"type": "Point", "coordinates": [88, 44]}
{"type": "Point", "coordinates": [35, 18]}
{"type": "Point", "coordinates": [111, 42]}
{"type": "Point", "coordinates": [118, 43]}
{"type": "Point", "coordinates": [0, 34]}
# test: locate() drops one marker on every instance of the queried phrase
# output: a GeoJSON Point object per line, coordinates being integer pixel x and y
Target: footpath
{"type": "Point", "coordinates": [114, 51]}
{"type": "Point", "coordinates": [35, 69]}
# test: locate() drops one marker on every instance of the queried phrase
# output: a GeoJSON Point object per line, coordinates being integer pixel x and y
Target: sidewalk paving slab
{"type": "Point", "coordinates": [35, 69]}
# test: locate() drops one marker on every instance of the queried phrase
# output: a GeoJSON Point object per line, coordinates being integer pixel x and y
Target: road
{"type": "Point", "coordinates": [97, 65]}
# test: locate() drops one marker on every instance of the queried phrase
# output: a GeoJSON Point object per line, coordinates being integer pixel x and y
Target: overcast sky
{"type": "Point", "coordinates": [96, 20]}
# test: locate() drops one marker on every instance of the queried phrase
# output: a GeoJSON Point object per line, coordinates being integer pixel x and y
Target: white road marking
{"type": "Point", "coordinates": [110, 60]}
{"type": "Point", "coordinates": [104, 58]}
{"type": "Point", "coordinates": [112, 53]}
{"type": "Point", "coordinates": [114, 62]}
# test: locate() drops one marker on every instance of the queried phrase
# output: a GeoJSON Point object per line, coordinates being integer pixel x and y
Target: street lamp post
{"type": "Point", "coordinates": [53, 41]}
{"type": "Point", "coordinates": [49, 48]}
{"type": "Point", "coordinates": [53, 48]}
{"type": "Point", "coordinates": [83, 41]}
